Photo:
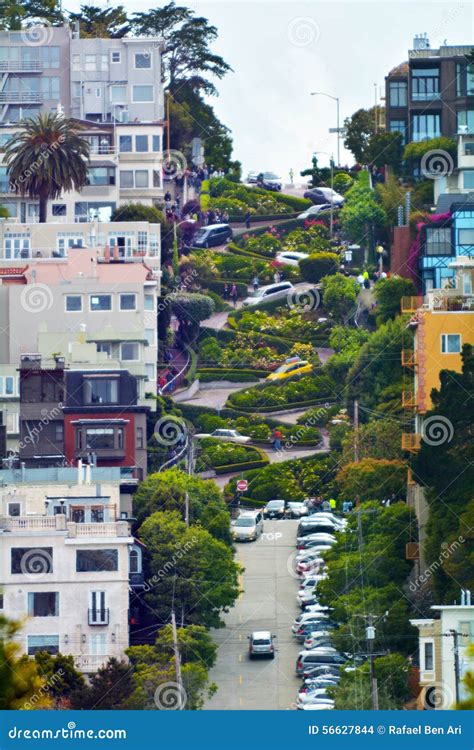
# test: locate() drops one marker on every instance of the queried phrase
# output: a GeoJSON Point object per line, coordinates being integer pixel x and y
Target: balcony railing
{"type": "Point", "coordinates": [408, 358]}
{"type": "Point", "coordinates": [33, 523]}
{"type": "Point", "coordinates": [411, 304]}
{"type": "Point", "coordinates": [409, 399]}
{"type": "Point", "coordinates": [98, 617]}
{"type": "Point", "coordinates": [411, 442]}
{"type": "Point", "coordinates": [60, 523]}
{"type": "Point", "coordinates": [21, 66]}
{"type": "Point", "coordinates": [119, 528]}
{"type": "Point", "coordinates": [448, 303]}
{"type": "Point", "coordinates": [90, 662]}
{"type": "Point", "coordinates": [14, 97]}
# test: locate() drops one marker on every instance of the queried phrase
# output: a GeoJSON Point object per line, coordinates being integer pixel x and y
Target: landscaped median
{"type": "Point", "coordinates": [211, 374]}
{"type": "Point", "coordinates": [296, 394]}
{"type": "Point", "coordinates": [225, 458]}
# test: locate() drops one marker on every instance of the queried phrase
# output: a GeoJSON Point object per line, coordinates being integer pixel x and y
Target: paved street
{"type": "Point", "coordinates": [268, 603]}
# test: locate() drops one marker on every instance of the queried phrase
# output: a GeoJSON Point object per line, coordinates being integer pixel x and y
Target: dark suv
{"type": "Point", "coordinates": [213, 234]}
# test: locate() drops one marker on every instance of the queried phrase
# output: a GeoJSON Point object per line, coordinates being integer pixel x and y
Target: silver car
{"type": "Point", "coordinates": [247, 527]}
{"type": "Point", "coordinates": [261, 644]}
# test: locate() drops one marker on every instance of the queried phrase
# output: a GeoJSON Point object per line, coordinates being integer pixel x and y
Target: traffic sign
{"type": "Point", "coordinates": [242, 485]}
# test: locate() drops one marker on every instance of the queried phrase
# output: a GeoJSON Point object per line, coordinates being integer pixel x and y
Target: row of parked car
{"type": "Point", "coordinates": [249, 526]}
{"type": "Point", "coordinates": [319, 664]}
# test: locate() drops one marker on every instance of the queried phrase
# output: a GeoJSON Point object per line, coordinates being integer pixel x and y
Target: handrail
{"type": "Point", "coordinates": [175, 459]}
{"type": "Point", "coordinates": [178, 375]}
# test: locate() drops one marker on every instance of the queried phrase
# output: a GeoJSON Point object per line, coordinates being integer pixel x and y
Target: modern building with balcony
{"type": "Point", "coordinates": [430, 95]}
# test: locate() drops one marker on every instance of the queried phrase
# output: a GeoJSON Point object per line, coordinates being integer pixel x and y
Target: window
{"type": "Point", "coordinates": [44, 604]}
{"type": "Point", "coordinates": [149, 302]}
{"type": "Point", "coordinates": [73, 303]}
{"type": "Point", "coordinates": [426, 127]}
{"type": "Point", "coordinates": [465, 120]}
{"type": "Point", "coordinates": [118, 94]}
{"type": "Point", "coordinates": [128, 301]}
{"type": "Point", "coordinates": [100, 302]}
{"type": "Point", "coordinates": [49, 643]}
{"type": "Point", "coordinates": [105, 346]}
{"type": "Point", "coordinates": [50, 87]}
{"type": "Point", "coordinates": [103, 62]}
{"type": "Point", "coordinates": [469, 148]}
{"type": "Point", "coordinates": [95, 560]}
{"type": "Point", "coordinates": [59, 209]}
{"type": "Point", "coordinates": [141, 143]}
{"type": "Point", "coordinates": [398, 126]}
{"type": "Point", "coordinates": [76, 89]}
{"type": "Point", "coordinates": [126, 178]}
{"type": "Point", "coordinates": [130, 352]}
{"type": "Point", "coordinates": [97, 514]}
{"type": "Point", "coordinates": [467, 284]}
{"type": "Point", "coordinates": [142, 60]}
{"type": "Point", "coordinates": [59, 432]}
{"type": "Point", "coordinates": [101, 390]}
{"type": "Point", "coordinates": [13, 423]}
{"type": "Point", "coordinates": [141, 178]}
{"type": "Point", "coordinates": [438, 241]}
{"type": "Point", "coordinates": [450, 343]}
{"type": "Point", "coordinates": [466, 236]}
{"type": "Point", "coordinates": [398, 93]}
{"type": "Point", "coordinates": [424, 84]}
{"type": "Point", "coordinates": [98, 644]}
{"type": "Point", "coordinates": [14, 509]}
{"type": "Point", "coordinates": [142, 93]}
{"type": "Point", "coordinates": [469, 178]}
{"type": "Point", "coordinates": [156, 143]}
{"type": "Point", "coordinates": [139, 438]}
{"type": "Point", "coordinates": [90, 62]}
{"type": "Point", "coordinates": [101, 176]}
{"type": "Point", "coordinates": [156, 178]}
{"type": "Point", "coordinates": [134, 561]}
{"type": "Point", "coordinates": [116, 57]}
{"type": "Point", "coordinates": [32, 560]}
{"type": "Point", "coordinates": [150, 336]}
{"type": "Point", "coordinates": [125, 144]}
{"type": "Point", "coordinates": [16, 245]}
{"type": "Point", "coordinates": [9, 385]}
{"type": "Point", "coordinates": [464, 80]}
{"type": "Point", "coordinates": [76, 62]}
{"type": "Point", "coordinates": [98, 614]}
{"type": "Point", "coordinates": [1, 601]}
{"type": "Point", "coordinates": [428, 656]}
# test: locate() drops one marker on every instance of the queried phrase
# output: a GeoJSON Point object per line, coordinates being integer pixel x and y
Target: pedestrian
{"type": "Point", "coordinates": [161, 382]}
{"type": "Point", "coordinates": [277, 436]}
{"type": "Point", "coordinates": [178, 202]}
{"type": "Point", "coordinates": [225, 217]}
{"type": "Point", "coordinates": [360, 280]}
{"type": "Point", "coordinates": [325, 506]}
{"type": "Point", "coordinates": [247, 219]}
{"type": "Point", "coordinates": [167, 197]}
{"type": "Point", "coordinates": [225, 291]}
{"type": "Point", "coordinates": [234, 294]}
{"type": "Point", "coordinates": [346, 506]}
{"type": "Point", "coordinates": [292, 174]}
{"type": "Point", "coordinates": [255, 283]}
{"type": "Point", "coordinates": [332, 504]}
{"type": "Point", "coordinates": [276, 277]}
{"type": "Point", "coordinates": [169, 379]}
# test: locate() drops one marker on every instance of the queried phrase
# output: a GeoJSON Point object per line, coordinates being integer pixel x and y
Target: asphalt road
{"type": "Point", "coordinates": [268, 602]}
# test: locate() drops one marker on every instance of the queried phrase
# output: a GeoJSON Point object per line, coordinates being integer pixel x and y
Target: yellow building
{"type": "Point", "coordinates": [443, 322]}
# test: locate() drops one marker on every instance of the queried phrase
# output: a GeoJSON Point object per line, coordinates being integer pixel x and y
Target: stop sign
{"type": "Point", "coordinates": [242, 485]}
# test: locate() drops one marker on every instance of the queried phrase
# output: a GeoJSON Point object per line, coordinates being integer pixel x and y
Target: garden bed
{"type": "Point", "coordinates": [307, 391]}
{"type": "Point", "coordinates": [224, 457]}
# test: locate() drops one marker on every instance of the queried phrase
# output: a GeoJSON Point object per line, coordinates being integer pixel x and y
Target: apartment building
{"type": "Point", "coordinates": [430, 95]}
{"type": "Point", "coordinates": [68, 563]}
{"type": "Point", "coordinates": [457, 185]}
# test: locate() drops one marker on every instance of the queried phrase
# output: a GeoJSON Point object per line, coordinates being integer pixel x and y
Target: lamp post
{"type": "Point", "coordinates": [336, 99]}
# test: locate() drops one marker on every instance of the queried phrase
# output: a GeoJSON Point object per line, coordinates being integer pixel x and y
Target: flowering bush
{"type": "Point", "coordinates": [287, 322]}
{"type": "Point", "coordinates": [244, 351]}
{"type": "Point", "coordinates": [308, 388]}
{"type": "Point", "coordinates": [265, 244]}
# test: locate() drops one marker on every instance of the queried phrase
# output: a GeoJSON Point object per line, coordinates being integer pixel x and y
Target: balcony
{"type": "Point", "coordinates": [21, 97]}
{"type": "Point", "coordinates": [90, 662]}
{"type": "Point", "coordinates": [409, 399]}
{"type": "Point", "coordinates": [411, 304]}
{"type": "Point", "coordinates": [408, 358]}
{"type": "Point", "coordinates": [33, 523]}
{"type": "Point", "coordinates": [411, 442]}
{"type": "Point", "coordinates": [51, 524]}
{"type": "Point", "coordinates": [136, 580]}
{"type": "Point", "coordinates": [21, 66]}
{"type": "Point", "coordinates": [98, 617]}
{"type": "Point", "coordinates": [451, 303]}
{"type": "Point", "coordinates": [107, 529]}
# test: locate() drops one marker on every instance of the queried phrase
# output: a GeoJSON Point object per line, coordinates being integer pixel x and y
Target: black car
{"type": "Point", "coordinates": [274, 509]}
{"type": "Point", "coordinates": [212, 235]}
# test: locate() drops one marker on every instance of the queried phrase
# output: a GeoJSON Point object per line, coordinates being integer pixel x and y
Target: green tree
{"type": "Point", "coordinates": [14, 14]}
{"type": "Point", "coordinates": [46, 157]}
{"type": "Point", "coordinates": [388, 293]}
{"type": "Point", "coordinates": [359, 128]}
{"type": "Point", "coordinates": [21, 685]}
{"type": "Point", "coordinates": [392, 672]}
{"type": "Point", "coordinates": [385, 149]}
{"type": "Point", "coordinates": [468, 703]}
{"type": "Point", "coordinates": [189, 568]}
{"type": "Point", "coordinates": [109, 688]}
{"type": "Point", "coordinates": [372, 479]}
{"type": "Point", "coordinates": [108, 23]}
{"type": "Point", "coordinates": [379, 438]}
{"type": "Point", "coordinates": [60, 674]}
{"type": "Point", "coordinates": [362, 218]}
{"type": "Point", "coordinates": [167, 490]}
{"type": "Point", "coordinates": [416, 150]}
{"type": "Point", "coordinates": [391, 195]}
{"type": "Point", "coordinates": [339, 297]}
{"type": "Point", "coordinates": [190, 309]}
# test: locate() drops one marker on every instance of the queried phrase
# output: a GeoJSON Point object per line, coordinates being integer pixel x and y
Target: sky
{"type": "Point", "coordinates": [282, 51]}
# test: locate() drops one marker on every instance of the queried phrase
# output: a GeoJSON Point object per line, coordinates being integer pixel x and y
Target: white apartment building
{"type": "Point", "coordinates": [68, 561]}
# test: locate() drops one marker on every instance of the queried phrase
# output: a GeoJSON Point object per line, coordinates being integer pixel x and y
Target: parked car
{"type": "Point", "coordinates": [320, 681]}
{"type": "Point", "coordinates": [261, 643]}
{"type": "Point", "coordinates": [309, 582]}
{"type": "Point", "coordinates": [269, 293]}
{"type": "Point", "coordinates": [312, 525]}
{"type": "Point", "coordinates": [313, 211]}
{"type": "Point", "coordinates": [213, 234]}
{"type": "Point", "coordinates": [296, 510]}
{"type": "Point", "coordinates": [229, 436]}
{"type": "Point", "coordinates": [247, 527]}
{"type": "Point", "coordinates": [317, 639]}
{"type": "Point", "coordinates": [274, 509]}
{"type": "Point", "coordinates": [318, 657]}
{"type": "Point", "coordinates": [294, 367]}
{"type": "Point", "coordinates": [252, 177]}
{"type": "Point", "coordinates": [269, 181]}
{"type": "Point", "coordinates": [317, 704]}
{"type": "Point", "coordinates": [330, 671]}
{"type": "Point", "coordinates": [310, 695]}
{"type": "Point", "coordinates": [324, 195]}
{"type": "Point", "coordinates": [291, 257]}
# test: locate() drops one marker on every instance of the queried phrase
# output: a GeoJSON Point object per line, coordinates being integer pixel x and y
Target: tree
{"type": "Point", "coordinates": [140, 212]}
{"type": "Point", "coordinates": [359, 128]}
{"type": "Point", "coordinates": [109, 688]}
{"type": "Point", "coordinates": [21, 685]}
{"type": "Point", "coordinates": [362, 218]}
{"type": "Point", "coordinates": [188, 568]}
{"type": "Point", "coordinates": [385, 149]}
{"type": "Point", "coordinates": [195, 645]}
{"type": "Point", "coordinates": [314, 267]}
{"type": "Point", "coordinates": [388, 293]}
{"type": "Point", "coordinates": [391, 195]}
{"type": "Point", "coordinates": [339, 296]}
{"type": "Point", "coordinates": [109, 23]}
{"type": "Point", "coordinates": [46, 157]}
{"type": "Point", "coordinates": [354, 689]}
{"type": "Point", "coordinates": [468, 703]}
{"type": "Point", "coordinates": [14, 14]}
{"type": "Point", "coordinates": [190, 308]}
{"type": "Point", "coordinates": [444, 156]}
{"type": "Point", "coordinates": [60, 675]}
{"type": "Point", "coordinates": [372, 479]}
{"type": "Point", "coordinates": [379, 438]}
{"type": "Point", "coordinates": [167, 490]}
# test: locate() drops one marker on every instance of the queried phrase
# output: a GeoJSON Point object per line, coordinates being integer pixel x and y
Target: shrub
{"type": "Point", "coordinates": [210, 351]}
{"type": "Point", "coordinates": [373, 479]}
{"type": "Point", "coordinates": [267, 244]}
{"type": "Point", "coordinates": [234, 376]}
{"type": "Point", "coordinates": [217, 454]}
{"type": "Point", "coordinates": [308, 388]}
{"type": "Point", "coordinates": [318, 265]}
{"type": "Point", "coordinates": [217, 286]}
{"type": "Point", "coordinates": [342, 182]}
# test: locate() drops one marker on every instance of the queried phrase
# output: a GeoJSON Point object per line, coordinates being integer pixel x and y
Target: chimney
{"type": "Point", "coordinates": [79, 471]}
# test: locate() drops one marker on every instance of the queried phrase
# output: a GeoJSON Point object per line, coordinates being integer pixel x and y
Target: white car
{"type": "Point", "coordinates": [229, 436]}
{"type": "Point", "coordinates": [290, 257]}
{"type": "Point", "coordinates": [281, 290]}
{"type": "Point", "coordinates": [318, 705]}
{"type": "Point", "coordinates": [313, 211]}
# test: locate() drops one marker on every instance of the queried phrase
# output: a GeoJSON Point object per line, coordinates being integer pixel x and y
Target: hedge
{"type": "Point", "coordinates": [227, 335]}
{"type": "Point", "coordinates": [238, 218]}
{"type": "Point", "coordinates": [191, 411]}
{"type": "Point", "coordinates": [231, 375]}
{"type": "Point", "coordinates": [288, 224]}
{"type": "Point", "coordinates": [279, 407]}
{"type": "Point", "coordinates": [236, 250]}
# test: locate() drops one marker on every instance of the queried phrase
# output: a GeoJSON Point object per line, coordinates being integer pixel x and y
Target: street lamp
{"type": "Point", "coordinates": [336, 99]}
{"type": "Point", "coordinates": [331, 162]}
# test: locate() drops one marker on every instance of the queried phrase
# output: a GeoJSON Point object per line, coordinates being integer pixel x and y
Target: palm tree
{"type": "Point", "coordinates": [47, 157]}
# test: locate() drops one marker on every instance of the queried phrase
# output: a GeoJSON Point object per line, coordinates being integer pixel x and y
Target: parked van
{"type": "Point", "coordinates": [248, 526]}
{"type": "Point", "coordinates": [213, 234]}
{"type": "Point", "coordinates": [318, 657]}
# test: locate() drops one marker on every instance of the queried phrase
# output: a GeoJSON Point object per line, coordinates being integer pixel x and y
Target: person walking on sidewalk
{"type": "Point", "coordinates": [247, 219]}
{"type": "Point", "coordinates": [277, 436]}
{"type": "Point", "coordinates": [233, 295]}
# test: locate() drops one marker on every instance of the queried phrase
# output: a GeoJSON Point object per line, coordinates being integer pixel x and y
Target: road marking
{"type": "Point", "coordinates": [240, 657]}
{"type": "Point", "coordinates": [241, 679]}
{"type": "Point", "coordinates": [241, 702]}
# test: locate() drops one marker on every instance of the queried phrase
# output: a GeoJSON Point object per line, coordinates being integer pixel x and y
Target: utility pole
{"type": "Point", "coordinates": [332, 183]}
{"type": "Point", "coordinates": [356, 431]}
{"type": "Point", "coordinates": [455, 635]}
{"type": "Point", "coordinates": [177, 656]}
{"type": "Point", "coordinates": [370, 635]}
